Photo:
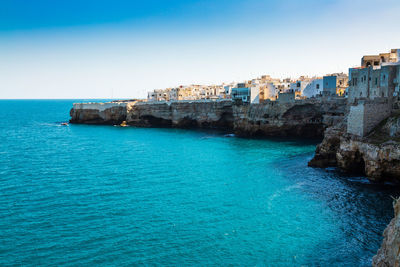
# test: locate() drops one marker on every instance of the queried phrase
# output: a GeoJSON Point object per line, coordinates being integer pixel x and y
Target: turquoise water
{"type": "Point", "coordinates": [104, 195]}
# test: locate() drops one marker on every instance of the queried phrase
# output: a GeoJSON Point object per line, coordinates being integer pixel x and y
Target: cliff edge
{"type": "Point", "coordinates": [305, 119]}
{"type": "Point", "coordinates": [376, 156]}
{"type": "Point", "coordinates": [389, 253]}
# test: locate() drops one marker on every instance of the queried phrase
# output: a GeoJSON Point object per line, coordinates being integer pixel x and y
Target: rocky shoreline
{"type": "Point", "coordinates": [299, 119]}
{"type": "Point", "coordinates": [377, 155]}
{"type": "Point", "coordinates": [389, 253]}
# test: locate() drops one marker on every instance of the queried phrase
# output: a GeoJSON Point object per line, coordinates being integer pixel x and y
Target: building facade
{"type": "Point", "coordinates": [372, 90]}
{"type": "Point", "coordinates": [371, 83]}
{"type": "Point", "coordinates": [335, 84]}
{"type": "Point", "coordinates": [314, 88]}
{"type": "Point", "coordinates": [246, 94]}
{"type": "Point", "coordinates": [377, 60]}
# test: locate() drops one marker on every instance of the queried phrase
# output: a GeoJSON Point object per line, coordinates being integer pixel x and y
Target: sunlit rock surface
{"type": "Point", "coordinates": [389, 253]}
{"type": "Point", "coordinates": [300, 119]}
{"type": "Point", "coordinates": [377, 155]}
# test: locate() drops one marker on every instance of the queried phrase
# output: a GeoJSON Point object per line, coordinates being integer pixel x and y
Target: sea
{"type": "Point", "coordinates": [93, 195]}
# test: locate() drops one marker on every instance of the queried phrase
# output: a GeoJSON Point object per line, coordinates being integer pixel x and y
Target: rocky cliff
{"type": "Point", "coordinates": [299, 119]}
{"type": "Point", "coordinates": [325, 153]}
{"type": "Point", "coordinates": [99, 113]}
{"type": "Point", "coordinates": [389, 253]}
{"type": "Point", "coordinates": [377, 155]}
{"type": "Point", "coordinates": [211, 114]}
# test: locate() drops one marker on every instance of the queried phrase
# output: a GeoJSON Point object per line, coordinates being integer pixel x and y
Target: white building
{"type": "Point", "coordinates": [314, 88]}
{"type": "Point", "coordinates": [269, 91]}
{"type": "Point", "coordinates": [246, 94]}
{"type": "Point", "coordinates": [299, 86]}
{"type": "Point", "coordinates": [228, 90]}
{"type": "Point", "coordinates": [158, 95]}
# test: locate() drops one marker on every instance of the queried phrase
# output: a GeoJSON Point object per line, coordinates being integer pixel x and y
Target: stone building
{"type": "Point", "coordinates": [314, 88]}
{"type": "Point", "coordinates": [287, 97]}
{"type": "Point", "coordinates": [228, 91]}
{"type": "Point", "coordinates": [246, 93]}
{"type": "Point", "coordinates": [397, 84]}
{"type": "Point", "coordinates": [158, 95]}
{"type": "Point", "coordinates": [371, 83]}
{"type": "Point", "coordinates": [335, 84]}
{"type": "Point", "coordinates": [268, 91]}
{"type": "Point", "coordinates": [372, 89]}
{"type": "Point", "coordinates": [299, 86]}
{"type": "Point", "coordinates": [377, 60]}
{"type": "Point", "coordinates": [366, 115]}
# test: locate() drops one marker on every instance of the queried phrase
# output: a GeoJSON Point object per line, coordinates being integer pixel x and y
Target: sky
{"type": "Point", "coordinates": [123, 49]}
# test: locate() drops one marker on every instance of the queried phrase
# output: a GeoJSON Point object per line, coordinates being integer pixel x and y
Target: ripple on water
{"type": "Point", "coordinates": [128, 196]}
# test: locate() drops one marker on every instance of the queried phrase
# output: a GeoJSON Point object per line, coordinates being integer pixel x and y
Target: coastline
{"type": "Point", "coordinates": [376, 156]}
{"type": "Point", "coordinates": [303, 118]}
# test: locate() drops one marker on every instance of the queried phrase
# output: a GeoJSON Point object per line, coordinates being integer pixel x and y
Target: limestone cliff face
{"type": "Point", "coordinates": [389, 253]}
{"type": "Point", "coordinates": [300, 119]}
{"type": "Point", "coordinates": [98, 113]}
{"type": "Point", "coordinates": [325, 154]}
{"type": "Point", "coordinates": [377, 156]}
{"type": "Point", "coordinates": [216, 114]}
{"type": "Point", "coordinates": [379, 162]}
{"type": "Point", "coordinates": [275, 119]}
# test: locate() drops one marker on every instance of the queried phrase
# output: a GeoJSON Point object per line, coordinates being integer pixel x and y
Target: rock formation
{"type": "Point", "coordinates": [99, 113]}
{"type": "Point", "coordinates": [389, 253]}
{"type": "Point", "coordinates": [377, 155]}
{"type": "Point", "coordinates": [325, 153]}
{"type": "Point", "coordinates": [306, 119]}
{"type": "Point", "coordinates": [181, 114]}
{"type": "Point", "coordinates": [275, 119]}
{"type": "Point", "coordinates": [299, 119]}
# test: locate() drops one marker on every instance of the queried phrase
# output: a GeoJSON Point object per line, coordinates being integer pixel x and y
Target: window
{"type": "Point", "coordinates": [376, 81]}
{"type": "Point", "coordinates": [298, 84]}
{"type": "Point", "coordinates": [317, 86]}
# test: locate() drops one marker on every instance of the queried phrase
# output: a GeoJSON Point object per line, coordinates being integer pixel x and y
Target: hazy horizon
{"type": "Point", "coordinates": [122, 49]}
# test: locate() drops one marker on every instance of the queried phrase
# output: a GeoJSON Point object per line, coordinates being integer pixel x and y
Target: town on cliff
{"type": "Point", "coordinates": [357, 116]}
{"type": "Point", "coordinates": [266, 88]}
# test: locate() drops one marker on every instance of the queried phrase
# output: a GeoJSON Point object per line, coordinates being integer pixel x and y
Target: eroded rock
{"type": "Point", "coordinates": [389, 253]}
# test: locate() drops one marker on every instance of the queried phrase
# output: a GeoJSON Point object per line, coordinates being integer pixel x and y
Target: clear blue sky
{"type": "Point", "coordinates": [104, 48]}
